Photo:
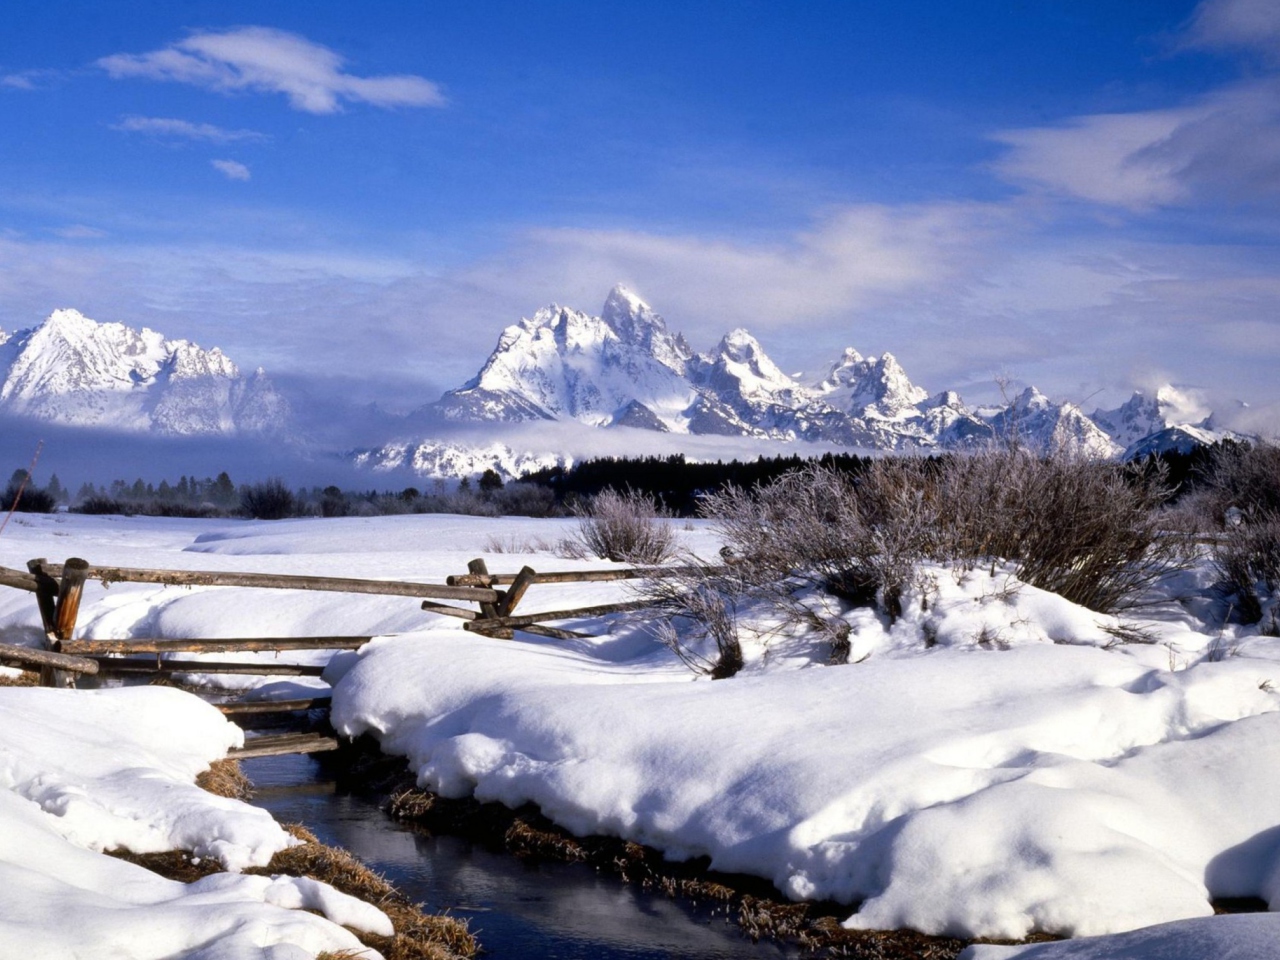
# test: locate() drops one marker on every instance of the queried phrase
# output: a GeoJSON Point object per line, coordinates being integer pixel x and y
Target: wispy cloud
{"type": "Point", "coordinates": [1224, 146]}
{"type": "Point", "coordinates": [78, 231]}
{"type": "Point", "coordinates": [273, 61]}
{"type": "Point", "coordinates": [1221, 146]}
{"type": "Point", "coordinates": [1236, 25]}
{"type": "Point", "coordinates": [31, 79]}
{"type": "Point", "coordinates": [231, 169]}
{"type": "Point", "coordinates": [170, 128]}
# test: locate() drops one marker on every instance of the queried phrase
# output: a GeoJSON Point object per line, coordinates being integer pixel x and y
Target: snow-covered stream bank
{"type": "Point", "coordinates": [518, 908]}
{"type": "Point", "coordinates": [995, 765]}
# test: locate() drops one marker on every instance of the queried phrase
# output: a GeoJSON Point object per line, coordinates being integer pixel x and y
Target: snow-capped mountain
{"type": "Point", "coordinates": [564, 364]}
{"type": "Point", "coordinates": [442, 459]}
{"type": "Point", "coordinates": [625, 368]}
{"type": "Point", "coordinates": [1169, 419]}
{"type": "Point", "coordinates": [74, 371]}
{"type": "Point", "coordinates": [1035, 420]}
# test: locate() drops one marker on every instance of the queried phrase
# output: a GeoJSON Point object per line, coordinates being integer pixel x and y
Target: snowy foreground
{"type": "Point", "coordinates": [1019, 771]}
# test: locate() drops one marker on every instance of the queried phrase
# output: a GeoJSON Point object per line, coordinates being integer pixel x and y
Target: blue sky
{"type": "Point", "coordinates": [1076, 194]}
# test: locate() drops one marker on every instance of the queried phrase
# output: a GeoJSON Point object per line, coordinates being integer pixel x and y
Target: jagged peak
{"type": "Point", "coordinates": [740, 346]}
{"type": "Point", "coordinates": [844, 371]}
{"type": "Point", "coordinates": [1031, 399]}
{"type": "Point", "coordinates": [624, 302]}
{"type": "Point", "coordinates": [66, 320]}
{"type": "Point", "coordinates": [945, 398]}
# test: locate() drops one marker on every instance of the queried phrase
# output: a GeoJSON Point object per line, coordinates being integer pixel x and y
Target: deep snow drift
{"type": "Point", "coordinates": [87, 771]}
{"type": "Point", "coordinates": [997, 762]}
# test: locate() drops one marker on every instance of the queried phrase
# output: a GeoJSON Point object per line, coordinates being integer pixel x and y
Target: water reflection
{"type": "Point", "coordinates": [518, 908]}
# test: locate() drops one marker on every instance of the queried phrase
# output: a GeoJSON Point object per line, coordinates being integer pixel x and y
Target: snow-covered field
{"type": "Point", "coordinates": [995, 763]}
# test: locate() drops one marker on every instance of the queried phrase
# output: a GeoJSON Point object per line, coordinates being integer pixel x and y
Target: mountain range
{"type": "Point", "coordinates": [622, 369]}
{"type": "Point", "coordinates": [626, 368]}
{"type": "Point", "coordinates": [74, 371]}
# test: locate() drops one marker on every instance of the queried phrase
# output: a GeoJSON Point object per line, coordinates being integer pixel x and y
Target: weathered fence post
{"type": "Point", "coordinates": [73, 577]}
{"type": "Point", "coordinates": [47, 601]}
{"type": "Point", "coordinates": [488, 611]}
{"type": "Point", "coordinates": [523, 581]}
{"type": "Point", "coordinates": [59, 607]}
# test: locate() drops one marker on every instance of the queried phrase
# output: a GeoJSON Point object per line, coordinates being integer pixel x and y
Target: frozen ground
{"type": "Point", "coordinates": [996, 762]}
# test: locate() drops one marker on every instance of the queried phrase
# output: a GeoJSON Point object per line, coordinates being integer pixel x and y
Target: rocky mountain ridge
{"type": "Point", "coordinates": [73, 371]}
{"type": "Point", "coordinates": [626, 368]}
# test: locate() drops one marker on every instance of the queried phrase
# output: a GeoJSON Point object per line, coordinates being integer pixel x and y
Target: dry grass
{"type": "Point", "coordinates": [511, 543]}
{"type": "Point", "coordinates": [418, 936]}
{"type": "Point", "coordinates": [224, 778]}
{"type": "Point", "coordinates": [749, 901]}
{"type": "Point", "coordinates": [27, 678]}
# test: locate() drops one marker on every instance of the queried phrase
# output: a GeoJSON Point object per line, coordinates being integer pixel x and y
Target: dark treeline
{"type": "Point", "coordinates": [674, 482]}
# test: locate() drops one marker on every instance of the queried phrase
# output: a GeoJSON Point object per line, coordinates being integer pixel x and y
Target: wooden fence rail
{"type": "Point", "coordinates": [111, 666]}
{"type": "Point", "coordinates": [12, 656]}
{"type": "Point", "coordinates": [58, 588]}
{"type": "Point", "coordinates": [272, 581]}
{"type": "Point", "coordinates": [192, 645]}
{"type": "Point", "coordinates": [17, 579]}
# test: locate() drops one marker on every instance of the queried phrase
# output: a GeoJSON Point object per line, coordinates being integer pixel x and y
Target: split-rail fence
{"type": "Point", "coordinates": [58, 589]}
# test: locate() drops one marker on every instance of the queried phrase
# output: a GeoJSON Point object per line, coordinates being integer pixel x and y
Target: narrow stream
{"type": "Point", "coordinates": [517, 908]}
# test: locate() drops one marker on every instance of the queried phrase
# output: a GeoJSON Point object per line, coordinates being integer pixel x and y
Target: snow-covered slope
{"type": "Point", "coordinates": [445, 459]}
{"type": "Point", "coordinates": [77, 372]}
{"type": "Point", "coordinates": [1169, 419]}
{"type": "Point", "coordinates": [564, 364]}
{"type": "Point", "coordinates": [627, 368]}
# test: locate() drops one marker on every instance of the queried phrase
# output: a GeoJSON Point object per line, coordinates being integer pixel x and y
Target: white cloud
{"type": "Point", "coordinates": [956, 292]}
{"type": "Point", "coordinates": [78, 231]}
{"type": "Point", "coordinates": [1224, 146]}
{"type": "Point", "coordinates": [31, 79]}
{"type": "Point", "coordinates": [855, 259]}
{"type": "Point", "coordinates": [231, 169]}
{"type": "Point", "coordinates": [1236, 24]}
{"type": "Point", "coordinates": [184, 129]}
{"type": "Point", "coordinates": [274, 61]}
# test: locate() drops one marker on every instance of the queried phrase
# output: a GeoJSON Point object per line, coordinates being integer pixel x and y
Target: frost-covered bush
{"type": "Point", "coordinates": [698, 614]}
{"type": "Point", "coordinates": [626, 527]}
{"type": "Point", "coordinates": [859, 539]}
{"type": "Point", "coordinates": [1087, 530]}
{"type": "Point", "coordinates": [1249, 560]}
{"type": "Point", "coordinates": [100, 505]}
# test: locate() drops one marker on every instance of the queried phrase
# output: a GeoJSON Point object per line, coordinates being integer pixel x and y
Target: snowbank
{"type": "Point", "coordinates": [1241, 937]}
{"type": "Point", "coordinates": [87, 771]}
{"type": "Point", "coordinates": [1002, 761]}
{"type": "Point", "coordinates": [1074, 790]}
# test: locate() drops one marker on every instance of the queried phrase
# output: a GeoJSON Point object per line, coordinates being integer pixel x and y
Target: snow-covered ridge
{"type": "Point", "coordinates": [74, 371]}
{"type": "Point", "coordinates": [626, 368]}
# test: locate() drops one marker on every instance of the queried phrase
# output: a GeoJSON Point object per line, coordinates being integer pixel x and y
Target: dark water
{"type": "Point", "coordinates": [517, 908]}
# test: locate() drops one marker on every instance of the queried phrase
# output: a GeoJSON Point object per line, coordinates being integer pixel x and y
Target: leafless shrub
{"type": "Point", "coordinates": [1088, 530]}
{"type": "Point", "coordinates": [268, 500]}
{"type": "Point", "coordinates": [1083, 529]}
{"type": "Point", "coordinates": [1246, 477]}
{"type": "Point", "coordinates": [1248, 559]}
{"type": "Point", "coordinates": [855, 539]}
{"type": "Point", "coordinates": [1239, 500]}
{"type": "Point", "coordinates": [696, 605]}
{"type": "Point", "coordinates": [626, 527]}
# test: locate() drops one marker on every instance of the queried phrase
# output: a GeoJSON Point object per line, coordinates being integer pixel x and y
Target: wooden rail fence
{"type": "Point", "coordinates": [58, 588]}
